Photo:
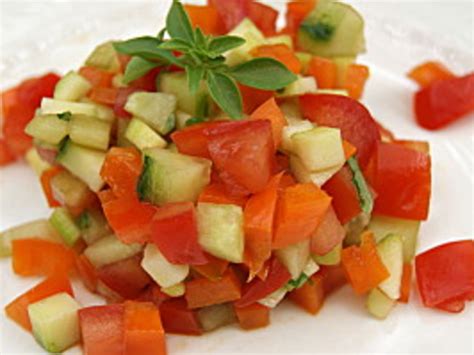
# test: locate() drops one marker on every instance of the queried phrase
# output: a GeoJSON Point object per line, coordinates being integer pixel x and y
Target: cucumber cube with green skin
{"type": "Point", "coordinates": [378, 304]}
{"type": "Point", "coordinates": [90, 132]}
{"type": "Point", "coordinates": [177, 290]}
{"type": "Point", "coordinates": [84, 163]}
{"type": "Point", "coordinates": [69, 190]}
{"type": "Point", "coordinates": [72, 87]}
{"type": "Point", "coordinates": [294, 126]}
{"type": "Point", "coordinates": [55, 322]}
{"type": "Point", "coordinates": [310, 269]}
{"type": "Point", "coordinates": [48, 128]}
{"type": "Point", "coordinates": [62, 220]}
{"type": "Point", "coordinates": [161, 270]}
{"type": "Point", "coordinates": [319, 149]}
{"type": "Point", "coordinates": [104, 57]}
{"type": "Point", "coordinates": [221, 231]}
{"type": "Point", "coordinates": [331, 258]}
{"type": "Point", "coordinates": [408, 230]}
{"type": "Point", "coordinates": [142, 136]}
{"type": "Point", "coordinates": [172, 177]}
{"type": "Point", "coordinates": [253, 38]}
{"type": "Point", "coordinates": [53, 106]}
{"type": "Point", "coordinates": [155, 108]}
{"type": "Point", "coordinates": [109, 250]}
{"type": "Point", "coordinates": [295, 257]}
{"type": "Point", "coordinates": [40, 229]}
{"type": "Point", "coordinates": [390, 250]}
{"type": "Point", "coordinates": [36, 163]}
{"type": "Point", "coordinates": [274, 298]}
{"type": "Point", "coordinates": [93, 225]}
{"type": "Point", "coordinates": [181, 119]}
{"type": "Point", "coordinates": [303, 175]}
{"type": "Point", "coordinates": [302, 86]}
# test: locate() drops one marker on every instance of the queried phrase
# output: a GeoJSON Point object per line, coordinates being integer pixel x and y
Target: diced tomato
{"type": "Point", "coordinates": [45, 179]}
{"type": "Point", "coordinates": [146, 82]}
{"type": "Point", "coordinates": [206, 18]}
{"type": "Point", "coordinates": [213, 269]}
{"type": "Point", "coordinates": [264, 17]}
{"type": "Point", "coordinates": [406, 283]}
{"type": "Point", "coordinates": [455, 306]}
{"type": "Point", "coordinates": [354, 80]}
{"type": "Point", "coordinates": [401, 178]}
{"type": "Point", "coordinates": [87, 272]}
{"type": "Point", "coordinates": [324, 70]}
{"type": "Point", "coordinates": [178, 319]}
{"type": "Point", "coordinates": [278, 275]}
{"type": "Point", "coordinates": [232, 12]}
{"type": "Point", "coordinates": [334, 277]}
{"type": "Point", "coordinates": [17, 309]}
{"type": "Point", "coordinates": [253, 316]}
{"type": "Point", "coordinates": [445, 275]}
{"type": "Point", "coordinates": [217, 193]}
{"type": "Point", "coordinates": [282, 163]}
{"type": "Point", "coordinates": [6, 156]}
{"type": "Point", "coordinates": [355, 122]}
{"type": "Point", "coordinates": [243, 153]}
{"type": "Point", "coordinates": [174, 232]}
{"type": "Point", "coordinates": [47, 154]}
{"type": "Point", "coordinates": [419, 146]}
{"type": "Point", "coordinates": [281, 53]}
{"type": "Point", "coordinates": [121, 100]}
{"type": "Point", "coordinates": [310, 296]}
{"type": "Point", "coordinates": [102, 329]}
{"type": "Point", "coordinates": [328, 235]}
{"type": "Point", "coordinates": [97, 77]}
{"type": "Point", "coordinates": [32, 91]}
{"type": "Point", "coordinates": [444, 102]}
{"type": "Point", "coordinates": [269, 110]}
{"type": "Point", "coordinates": [252, 98]}
{"type": "Point", "coordinates": [153, 294]}
{"type": "Point", "coordinates": [385, 134]}
{"type": "Point", "coordinates": [430, 72]}
{"type": "Point", "coordinates": [104, 96]}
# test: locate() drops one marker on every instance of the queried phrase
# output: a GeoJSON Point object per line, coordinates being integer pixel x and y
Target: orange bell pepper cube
{"type": "Point", "coordinates": [310, 296]}
{"type": "Point", "coordinates": [419, 146]}
{"type": "Point", "coordinates": [17, 310]}
{"type": "Point", "coordinates": [87, 272]}
{"type": "Point", "coordinates": [363, 266]}
{"type": "Point", "coordinates": [104, 96]}
{"type": "Point", "coordinates": [263, 16]}
{"type": "Point", "coordinates": [406, 283]}
{"type": "Point", "coordinates": [143, 332]}
{"type": "Point", "coordinates": [324, 71]}
{"type": "Point", "coordinates": [281, 53]}
{"type": "Point", "coordinates": [106, 195]}
{"type": "Point", "coordinates": [97, 77]}
{"type": "Point", "coordinates": [203, 292]}
{"type": "Point", "coordinates": [300, 209]}
{"type": "Point", "coordinates": [334, 277]}
{"type": "Point", "coordinates": [217, 193]}
{"type": "Point", "coordinates": [354, 80]}
{"type": "Point", "coordinates": [269, 110]}
{"type": "Point", "coordinates": [253, 316]}
{"type": "Point", "coordinates": [34, 257]}
{"type": "Point", "coordinates": [213, 270]}
{"type": "Point", "coordinates": [429, 72]}
{"type": "Point", "coordinates": [206, 18]}
{"type": "Point", "coordinates": [349, 149]}
{"type": "Point", "coordinates": [296, 11]}
{"type": "Point", "coordinates": [45, 179]}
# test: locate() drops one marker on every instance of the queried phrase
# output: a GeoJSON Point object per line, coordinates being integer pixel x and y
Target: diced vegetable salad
{"type": "Point", "coordinates": [201, 176]}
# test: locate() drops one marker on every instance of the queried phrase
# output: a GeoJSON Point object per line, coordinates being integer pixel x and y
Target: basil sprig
{"type": "Point", "coordinates": [202, 58]}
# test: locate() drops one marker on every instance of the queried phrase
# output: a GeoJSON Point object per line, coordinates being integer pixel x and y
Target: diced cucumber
{"type": "Point", "coordinates": [354, 229]}
{"type": "Point", "coordinates": [109, 250]}
{"type": "Point", "coordinates": [216, 316]}
{"type": "Point", "coordinates": [305, 59]}
{"type": "Point", "coordinates": [378, 304]}
{"type": "Point", "coordinates": [319, 148]}
{"type": "Point", "coordinates": [310, 269]}
{"type": "Point", "coordinates": [295, 257]}
{"type": "Point", "coordinates": [117, 81]}
{"type": "Point", "coordinates": [221, 230]}
{"type": "Point", "coordinates": [161, 270]}
{"type": "Point", "coordinates": [36, 162]}
{"type": "Point", "coordinates": [274, 298]}
{"type": "Point", "coordinates": [303, 175]}
{"type": "Point", "coordinates": [62, 220]}
{"type": "Point", "coordinates": [390, 250]}
{"type": "Point", "coordinates": [72, 87]}
{"type": "Point", "coordinates": [69, 190]}
{"type": "Point", "coordinates": [90, 132]}
{"type": "Point", "coordinates": [122, 125]}
{"type": "Point", "coordinates": [291, 110]}
{"type": "Point", "coordinates": [38, 143]}
{"type": "Point", "coordinates": [172, 177]}
{"type": "Point", "coordinates": [49, 128]}
{"type": "Point", "coordinates": [280, 39]}
{"type": "Point", "coordinates": [382, 226]}
{"type": "Point", "coordinates": [365, 196]}
{"type": "Point", "coordinates": [55, 322]}
{"type": "Point", "coordinates": [142, 136]}
{"type": "Point", "coordinates": [253, 38]}
{"type": "Point", "coordinates": [52, 106]}
{"type": "Point", "coordinates": [181, 119]}
{"type": "Point", "coordinates": [104, 57]}
{"type": "Point", "coordinates": [84, 163]}
{"type": "Point", "coordinates": [342, 63]}
{"type": "Point", "coordinates": [40, 229]}
{"type": "Point", "coordinates": [332, 29]}
{"type": "Point", "coordinates": [332, 92]}
{"type": "Point", "coordinates": [93, 225]}
{"type": "Point", "coordinates": [331, 258]}
{"type": "Point", "coordinates": [177, 290]}
{"type": "Point", "coordinates": [301, 86]}
{"type": "Point", "coordinates": [154, 108]}
{"type": "Point", "coordinates": [294, 126]}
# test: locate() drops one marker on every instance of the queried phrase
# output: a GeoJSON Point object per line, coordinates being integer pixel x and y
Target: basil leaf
{"type": "Point", "coordinates": [225, 93]}
{"type": "Point", "coordinates": [202, 106]}
{"type": "Point", "coordinates": [178, 24]}
{"type": "Point", "coordinates": [65, 116]}
{"type": "Point", "coordinates": [263, 73]}
{"type": "Point", "coordinates": [161, 35]}
{"type": "Point", "coordinates": [147, 48]}
{"type": "Point", "coordinates": [175, 44]}
{"type": "Point", "coordinates": [193, 121]}
{"type": "Point", "coordinates": [194, 75]}
{"type": "Point", "coordinates": [138, 67]}
{"type": "Point", "coordinates": [222, 44]}
{"type": "Point", "coordinates": [201, 41]}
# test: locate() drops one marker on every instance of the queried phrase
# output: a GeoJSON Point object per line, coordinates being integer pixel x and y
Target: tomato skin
{"type": "Point", "coordinates": [264, 17]}
{"type": "Point", "coordinates": [6, 156]}
{"type": "Point", "coordinates": [121, 100]}
{"type": "Point", "coordinates": [253, 98]}
{"type": "Point", "coordinates": [232, 12]}
{"type": "Point", "coordinates": [427, 73]}
{"type": "Point", "coordinates": [178, 319]}
{"type": "Point", "coordinates": [356, 124]}
{"type": "Point", "coordinates": [444, 102]}
{"type": "Point", "coordinates": [32, 91]}
{"type": "Point", "coordinates": [328, 235]}
{"type": "Point", "coordinates": [97, 77]}
{"type": "Point", "coordinates": [445, 275]}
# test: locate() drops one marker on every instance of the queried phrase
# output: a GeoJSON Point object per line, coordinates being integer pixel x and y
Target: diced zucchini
{"type": "Point", "coordinates": [172, 177]}
{"type": "Point", "coordinates": [40, 229]}
{"type": "Point", "coordinates": [365, 196]}
{"type": "Point", "coordinates": [339, 92]}
{"type": "Point", "coordinates": [310, 269]}
{"type": "Point", "coordinates": [104, 57]}
{"type": "Point", "coordinates": [221, 230]}
{"type": "Point", "coordinates": [390, 250]}
{"type": "Point", "coordinates": [109, 250]}
{"type": "Point", "coordinates": [303, 175]}
{"type": "Point", "coordinates": [319, 149]}
{"type": "Point", "coordinates": [154, 108]}
{"type": "Point", "coordinates": [142, 136]}
{"type": "Point", "coordinates": [216, 316]}
{"type": "Point", "coordinates": [93, 225]}
{"type": "Point", "coordinates": [331, 258]}
{"type": "Point", "coordinates": [378, 304]}
{"type": "Point", "coordinates": [305, 59]}
{"type": "Point", "coordinates": [55, 322]}
{"type": "Point", "coordinates": [382, 226]}
{"type": "Point", "coordinates": [301, 86]}
{"type": "Point", "coordinates": [177, 290]}
{"type": "Point", "coordinates": [274, 298]}
{"type": "Point", "coordinates": [62, 220]}
{"type": "Point", "coordinates": [161, 270]}
{"type": "Point", "coordinates": [332, 29]}
{"type": "Point", "coordinates": [90, 132]}
{"type": "Point", "coordinates": [253, 38]}
{"type": "Point", "coordinates": [69, 190]}
{"type": "Point", "coordinates": [52, 106]}
{"type": "Point", "coordinates": [36, 162]}
{"type": "Point", "coordinates": [84, 163]}
{"type": "Point", "coordinates": [49, 128]}
{"type": "Point", "coordinates": [72, 87]}
{"type": "Point", "coordinates": [342, 63]}
{"type": "Point", "coordinates": [181, 119]}
{"type": "Point", "coordinates": [294, 126]}
{"type": "Point", "coordinates": [280, 39]}
{"type": "Point", "coordinates": [122, 125]}
{"type": "Point", "coordinates": [295, 257]}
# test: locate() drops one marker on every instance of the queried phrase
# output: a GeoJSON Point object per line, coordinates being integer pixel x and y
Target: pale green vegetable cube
{"type": "Point", "coordinates": [331, 258]}
{"type": "Point", "coordinates": [53, 106]}
{"type": "Point", "coordinates": [48, 128]}
{"type": "Point", "coordinates": [90, 132]}
{"type": "Point", "coordinates": [280, 39]}
{"type": "Point", "coordinates": [295, 257]}
{"type": "Point", "coordinates": [104, 57]}
{"type": "Point", "coordinates": [177, 290]}
{"type": "Point", "coordinates": [142, 136]}
{"type": "Point", "coordinates": [36, 162]}
{"type": "Point", "coordinates": [294, 126]}
{"type": "Point", "coordinates": [390, 250]}
{"type": "Point", "coordinates": [301, 86]}
{"type": "Point", "coordinates": [303, 175]}
{"type": "Point", "coordinates": [253, 38]}
{"type": "Point", "coordinates": [72, 87]}
{"type": "Point", "coordinates": [109, 250]}
{"type": "Point", "coordinates": [378, 304]}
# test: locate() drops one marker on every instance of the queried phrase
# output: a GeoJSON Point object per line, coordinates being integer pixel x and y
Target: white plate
{"type": "Point", "coordinates": [54, 35]}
